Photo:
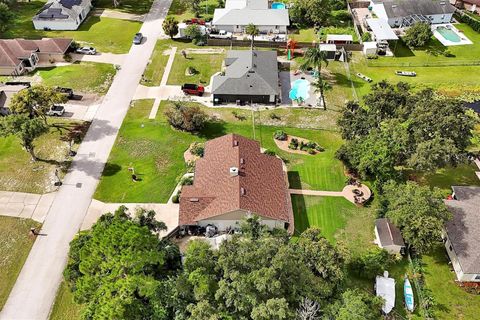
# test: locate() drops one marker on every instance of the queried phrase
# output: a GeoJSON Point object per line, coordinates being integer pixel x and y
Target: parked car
{"type": "Point", "coordinates": [87, 50]}
{"type": "Point", "coordinates": [193, 89]}
{"type": "Point", "coordinates": [195, 21]}
{"type": "Point", "coordinates": [138, 38]}
{"type": "Point", "coordinates": [56, 111]}
{"type": "Point", "coordinates": [67, 91]}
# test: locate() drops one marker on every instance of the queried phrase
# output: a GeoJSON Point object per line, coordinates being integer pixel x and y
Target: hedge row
{"type": "Point", "coordinates": [472, 22]}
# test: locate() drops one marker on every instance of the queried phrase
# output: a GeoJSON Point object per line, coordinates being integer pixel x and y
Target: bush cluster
{"type": "Point", "coordinates": [280, 135]}
{"type": "Point", "coordinates": [471, 21]}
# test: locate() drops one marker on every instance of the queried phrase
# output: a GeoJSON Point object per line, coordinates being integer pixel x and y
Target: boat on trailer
{"type": "Point", "coordinates": [406, 73]}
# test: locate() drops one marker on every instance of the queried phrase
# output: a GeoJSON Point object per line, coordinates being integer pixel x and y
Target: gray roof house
{"type": "Point", "coordinates": [388, 236]}
{"type": "Point", "coordinates": [249, 76]}
{"type": "Point", "coordinates": [237, 14]}
{"type": "Point", "coordinates": [462, 233]}
{"type": "Point", "coordinates": [62, 14]}
{"type": "Point", "coordinates": [403, 13]}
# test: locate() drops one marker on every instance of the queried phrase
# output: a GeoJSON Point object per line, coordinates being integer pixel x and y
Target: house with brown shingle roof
{"type": "Point", "coordinates": [462, 233]}
{"type": "Point", "coordinates": [235, 179]}
{"type": "Point", "coordinates": [18, 56]}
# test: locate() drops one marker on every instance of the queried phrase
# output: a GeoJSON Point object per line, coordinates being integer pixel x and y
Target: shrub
{"type": "Point", "coordinates": [238, 116]}
{"type": "Point", "coordinates": [170, 26]}
{"type": "Point", "coordinates": [186, 181]}
{"type": "Point", "coordinates": [319, 148]}
{"type": "Point", "coordinates": [191, 71]}
{"type": "Point", "coordinates": [372, 263]}
{"type": "Point", "coordinates": [67, 57]}
{"type": "Point", "coordinates": [293, 144]}
{"type": "Point", "coordinates": [312, 151]}
{"type": "Point", "coordinates": [275, 116]}
{"type": "Point", "coordinates": [198, 149]}
{"type": "Point", "coordinates": [471, 21]}
{"type": "Point", "coordinates": [269, 152]}
{"type": "Point", "coordinates": [176, 198]}
{"type": "Point", "coordinates": [366, 36]}
{"type": "Point", "coordinates": [281, 135]}
{"type": "Point", "coordinates": [186, 118]}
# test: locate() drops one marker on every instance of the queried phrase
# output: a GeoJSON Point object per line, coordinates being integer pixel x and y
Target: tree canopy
{"type": "Point", "coordinates": [418, 35]}
{"type": "Point", "coordinates": [418, 211]}
{"type": "Point", "coordinates": [170, 26]}
{"type": "Point", "coordinates": [399, 129]}
{"type": "Point", "coordinates": [6, 17]}
{"type": "Point", "coordinates": [313, 12]}
{"type": "Point", "coordinates": [187, 118]}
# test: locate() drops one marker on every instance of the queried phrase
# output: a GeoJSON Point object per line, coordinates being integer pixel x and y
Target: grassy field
{"type": "Point", "coordinates": [205, 64]}
{"type": "Point", "coordinates": [418, 57]}
{"type": "Point", "coordinates": [19, 173]}
{"type": "Point", "coordinates": [156, 66]}
{"type": "Point", "coordinates": [86, 77]}
{"type": "Point", "coordinates": [156, 152]}
{"type": "Point", "coordinates": [127, 6]}
{"type": "Point", "coordinates": [15, 244]}
{"type": "Point", "coordinates": [64, 307]}
{"type": "Point", "coordinates": [181, 11]}
{"type": "Point", "coordinates": [102, 33]}
{"type": "Point", "coordinates": [452, 301]}
{"type": "Point", "coordinates": [304, 35]}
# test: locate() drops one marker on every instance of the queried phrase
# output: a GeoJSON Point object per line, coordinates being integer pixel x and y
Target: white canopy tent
{"type": "Point", "coordinates": [381, 29]}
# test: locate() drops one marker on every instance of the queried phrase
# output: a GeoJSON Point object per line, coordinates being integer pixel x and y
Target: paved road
{"type": "Point", "coordinates": [36, 286]}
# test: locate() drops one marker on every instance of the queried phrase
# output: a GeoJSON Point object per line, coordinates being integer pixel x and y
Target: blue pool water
{"type": "Point", "coordinates": [449, 34]}
{"type": "Point", "coordinates": [278, 5]}
{"type": "Point", "coordinates": [300, 89]}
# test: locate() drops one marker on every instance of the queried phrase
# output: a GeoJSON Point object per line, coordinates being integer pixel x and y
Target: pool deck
{"type": "Point", "coordinates": [286, 80]}
{"type": "Point", "coordinates": [464, 40]}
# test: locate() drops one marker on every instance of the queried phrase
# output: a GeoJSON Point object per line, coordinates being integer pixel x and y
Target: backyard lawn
{"type": "Point", "coordinates": [304, 35]}
{"type": "Point", "coordinates": [19, 173]}
{"type": "Point", "coordinates": [155, 150]}
{"type": "Point", "coordinates": [206, 65]}
{"type": "Point", "coordinates": [181, 11]}
{"type": "Point", "coordinates": [15, 244]}
{"type": "Point", "coordinates": [102, 33]}
{"type": "Point", "coordinates": [152, 75]}
{"type": "Point", "coordinates": [64, 307]}
{"type": "Point", "coordinates": [452, 301]}
{"type": "Point", "coordinates": [86, 77]}
{"type": "Point", "coordinates": [127, 6]}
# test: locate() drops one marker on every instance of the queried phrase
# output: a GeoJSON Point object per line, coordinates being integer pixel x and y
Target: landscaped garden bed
{"type": "Point", "coordinates": [294, 144]}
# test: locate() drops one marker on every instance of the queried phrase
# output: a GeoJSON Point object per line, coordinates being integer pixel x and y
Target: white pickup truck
{"type": "Point", "coordinates": [56, 111]}
{"type": "Point", "coordinates": [222, 34]}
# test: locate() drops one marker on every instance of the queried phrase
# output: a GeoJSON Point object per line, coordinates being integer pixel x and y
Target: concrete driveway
{"type": "Point", "coordinates": [34, 292]}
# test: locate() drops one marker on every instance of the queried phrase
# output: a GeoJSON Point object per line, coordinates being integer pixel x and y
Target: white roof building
{"type": "Point", "coordinates": [62, 14]}
{"type": "Point", "coordinates": [381, 29]}
{"type": "Point", "coordinates": [339, 38]}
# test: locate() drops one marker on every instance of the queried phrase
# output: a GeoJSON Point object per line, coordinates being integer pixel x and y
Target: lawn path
{"type": "Point", "coordinates": [166, 73]}
{"type": "Point", "coordinates": [34, 292]}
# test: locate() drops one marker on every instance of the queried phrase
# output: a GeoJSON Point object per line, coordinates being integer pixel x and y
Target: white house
{"type": "Point", "coordinates": [403, 13]}
{"type": "Point", "coordinates": [237, 14]}
{"type": "Point", "coordinates": [388, 236]}
{"type": "Point", "coordinates": [62, 14]}
{"type": "Point", "coordinates": [462, 233]}
{"type": "Point", "coordinates": [235, 179]}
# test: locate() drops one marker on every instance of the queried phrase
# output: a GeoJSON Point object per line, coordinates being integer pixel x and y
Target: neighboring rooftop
{"type": "Point", "coordinates": [248, 73]}
{"type": "Point", "coordinates": [381, 29]}
{"type": "Point", "coordinates": [388, 233]}
{"type": "Point", "coordinates": [234, 175]}
{"type": "Point", "coordinates": [464, 229]}
{"type": "Point", "coordinates": [244, 12]}
{"type": "Point", "coordinates": [404, 8]}
{"type": "Point", "coordinates": [12, 51]}
{"type": "Point", "coordinates": [62, 9]}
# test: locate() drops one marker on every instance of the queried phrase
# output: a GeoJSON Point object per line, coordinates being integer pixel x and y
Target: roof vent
{"type": "Point", "coordinates": [243, 191]}
{"type": "Point", "coordinates": [242, 161]}
{"type": "Point", "coordinates": [394, 5]}
{"type": "Point", "coordinates": [235, 143]}
{"type": "Point", "coordinates": [194, 200]}
{"type": "Point", "coordinates": [233, 171]}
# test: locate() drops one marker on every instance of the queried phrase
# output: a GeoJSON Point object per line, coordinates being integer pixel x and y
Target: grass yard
{"type": "Point", "coordinates": [205, 64]}
{"type": "Point", "coordinates": [127, 6]}
{"type": "Point", "coordinates": [304, 35]}
{"type": "Point", "coordinates": [452, 301]}
{"type": "Point", "coordinates": [19, 173]}
{"type": "Point", "coordinates": [404, 56]}
{"type": "Point", "coordinates": [64, 307]}
{"type": "Point", "coordinates": [86, 77]}
{"type": "Point", "coordinates": [453, 80]}
{"type": "Point", "coordinates": [156, 152]}
{"type": "Point", "coordinates": [337, 30]}
{"type": "Point", "coordinates": [102, 33]}
{"type": "Point", "coordinates": [15, 244]}
{"type": "Point", "coordinates": [181, 11]}
{"type": "Point", "coordinates": [156, 66]}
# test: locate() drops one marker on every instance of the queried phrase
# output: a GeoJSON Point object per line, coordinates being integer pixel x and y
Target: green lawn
{"type": "Point", "coordinates": [19, 173]}
{"type": "Point", "coordinates": [337, 30]}
{"type": "Point", "coordinates": [156, 152]}
{"type": "Point", "coordinates": [304, 35]}
{"type": "Point", "coordinates": [102, 33]}
{"type": "Point", "coordinates": [205, 64]}
{"type": "Point", "coordinates": [64, 307]}
{"type": "Point", "coordinates": [15, 244]}
{"type": "Point", "coordinates": [86, 77]}
{"type": "Point", "coordinates": [156, 66]}
{"type": "Point", "coordinates": [181, 11]}
{"type": "Point", "coordinates": [420, 57]}
{"type": "Point", "coordinates": [127, 6]}
{"type": "Point", "coordinates": [453, 302]}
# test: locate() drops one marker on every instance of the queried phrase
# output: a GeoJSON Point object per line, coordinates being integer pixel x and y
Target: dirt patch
{"type": "Point", "coordinates": [283, 144]}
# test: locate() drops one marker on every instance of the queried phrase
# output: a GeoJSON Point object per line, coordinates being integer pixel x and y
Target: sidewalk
{"type": "Point", "coordinates": [26, 205]}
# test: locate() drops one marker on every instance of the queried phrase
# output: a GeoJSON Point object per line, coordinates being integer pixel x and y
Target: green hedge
{"type": "Point", "coordinates": [472, 22]}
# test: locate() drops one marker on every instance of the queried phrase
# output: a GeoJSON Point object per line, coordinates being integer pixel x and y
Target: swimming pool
{"type": "Point", "coordinates": [300, 90]}
{"type": "Point", "coordinates": [278, 5]}
{"type": "Point", "coordinates": [448, 34]}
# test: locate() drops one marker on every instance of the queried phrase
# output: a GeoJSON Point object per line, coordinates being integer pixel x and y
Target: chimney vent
{"type": "Point", "coordinates": [233, 171]}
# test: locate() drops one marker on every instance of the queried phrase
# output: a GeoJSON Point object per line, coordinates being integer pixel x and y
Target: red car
{"type": "Point", "coordinates": [196, 21]}
{"type": "Point", "coordinates": [193, 89]}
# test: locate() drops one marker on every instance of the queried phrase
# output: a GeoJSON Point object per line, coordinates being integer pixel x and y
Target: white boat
{"type": "Point", "coordinates": [406, 73]}
{"type": "Point", "coordinates": [408, 293]}
{"type": "Point", "coordinates": [385, 288]}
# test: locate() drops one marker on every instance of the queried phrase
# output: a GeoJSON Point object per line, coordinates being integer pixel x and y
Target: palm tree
{"type": "Point", "coordinates": [314, 58]}
{"type": "Point", "coordinates": [252, 31]}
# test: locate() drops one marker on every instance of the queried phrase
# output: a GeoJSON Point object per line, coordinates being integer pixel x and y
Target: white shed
{"type": "Point", "coordinates": [370, 48]}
